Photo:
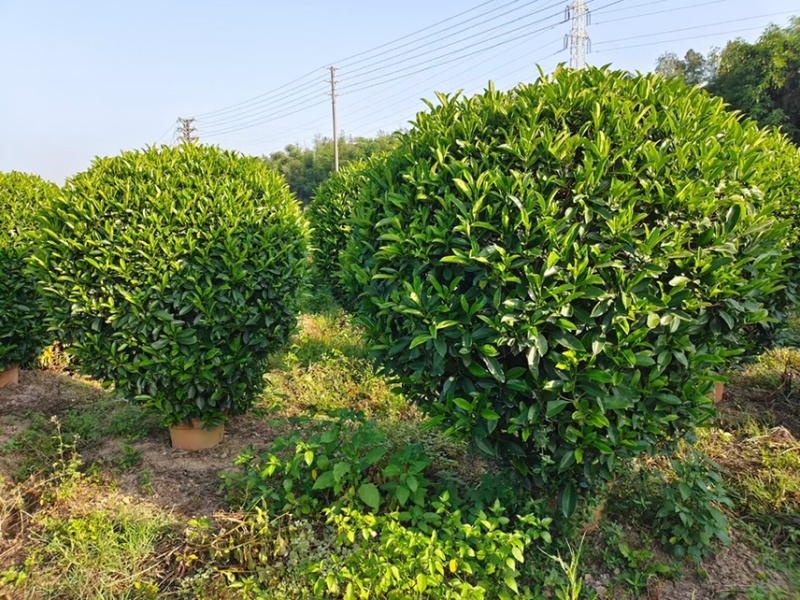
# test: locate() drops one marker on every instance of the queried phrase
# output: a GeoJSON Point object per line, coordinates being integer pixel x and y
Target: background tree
{"type": "Point", "coordinates": [760, 79]}
{"type": "Point", "coordinates": [693, 68]}
{"type": "Point", "coordinates": [305, 169]}
{"type": "Point", "coordinates": [763, 79]}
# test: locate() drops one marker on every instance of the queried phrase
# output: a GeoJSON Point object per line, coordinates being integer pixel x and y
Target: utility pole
{"type": "Point", "coordinates": [579, 42]}
{"type": "Point", "coordinates": [186, 129]}
{"type": "Point", "coordinates": [335, 125]}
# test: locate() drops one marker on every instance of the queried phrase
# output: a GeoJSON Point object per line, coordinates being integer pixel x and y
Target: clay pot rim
{"type": "Point", "coordinates": [196, 424]}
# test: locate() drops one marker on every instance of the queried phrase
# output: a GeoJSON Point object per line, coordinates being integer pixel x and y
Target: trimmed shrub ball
{"type": "Point", "coordinates": [329, 213]}
{"type": "Point", "coordinates": [22, 322]}
{"type": "Point", "coordinates": [173, 273]}
{"type": "Point", "coordinates": [556, 271]}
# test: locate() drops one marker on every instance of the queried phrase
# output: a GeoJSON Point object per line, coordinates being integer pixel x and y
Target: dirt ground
{"type": "Point", "coordinates": [772, 406]}
{"type": "Point", "coordinates": [187, 483]}
{"type": "Point", "coordinates": [728, 574]}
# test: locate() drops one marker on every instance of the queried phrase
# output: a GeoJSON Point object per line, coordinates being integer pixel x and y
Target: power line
{"type": "Point", "coordinates": [264, 116]}
{"type": "Point", "coordinates": [659, 12]}
{"type": "Point", "coordinates": [466, 39]}
{"type": "Point", "coordinates": [624, 8]}
{"type": "Point", "coordinates": [436, 77]}
{"type": "Point", "coordinates": [422, 70]}
{"type": "Point", "coordinates": [284, 133]}
{"type": "Point", "coordinates": [285, 100]}
{"type": "Point", "coordinates": [405, 37]}
{"type": "Point", "coordinates": [691, 37]}
{"type": "Point", "coordinates": [502, 6]}
{"type": "Point", "coordinates": [633, 37]}
{"type": "Point", "coordinates": [265, 95]}
{"type": "Point", "coordinates": [439, 39]}
{"type": "Point", "coordinates": [605, 6]}
{"type": "Point", "coordinates": [266, 119]}
{"type": "Point", "coordinates": [260, 109]}
{"type": "Point", "coordinates": [361, 118]}
{"type": "Point", "coordinates": [288, 98]}
{"type": "Point", "coordinates": [170, 128]}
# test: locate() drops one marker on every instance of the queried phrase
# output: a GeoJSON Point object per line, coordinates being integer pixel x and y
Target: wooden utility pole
{"type": "Point", "coordinates": [335, 125]}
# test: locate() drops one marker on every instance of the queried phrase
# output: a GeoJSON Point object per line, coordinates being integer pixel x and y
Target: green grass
{"type": "Point", "coordinates": [104, 550]}
{"type": "Point", "coordinates": [326, 369]}
{"type": "Point", "coordinates": [80, 538]}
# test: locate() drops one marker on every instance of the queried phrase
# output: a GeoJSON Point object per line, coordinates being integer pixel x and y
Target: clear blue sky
{"type": "Point", "coordinates": [91, 77]}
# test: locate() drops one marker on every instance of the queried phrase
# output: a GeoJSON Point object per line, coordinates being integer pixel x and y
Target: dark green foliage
{"type": "Point", "coordinates": [679, 500]}
{"type": "Point", "coordinates": [329, 213]}
{"type": "Point", "coordinates": [22, 329]}
{"type": "Point", "coordinates": [762, 80]}
{"type": "Point", "coordinates": [553, 271]}
{"type": "Point", "coordinates": [782, 178]}
{"type": "Point", "coordinates": [305, 169]}
{"type": "Point", "coordinates": [172, 273]}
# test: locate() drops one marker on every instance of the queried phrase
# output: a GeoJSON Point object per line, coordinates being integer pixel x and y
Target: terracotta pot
{"type": "Point", "coordinates": [191, 436]}
{"type": "Point", "coordinates": [9, 376]}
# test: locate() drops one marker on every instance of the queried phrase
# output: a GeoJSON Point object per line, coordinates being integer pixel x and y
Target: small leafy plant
{"type": "Point", "coordinates": [172, 273]}
{"type": "Point", "coordinates": [689, 517]}
{"type": "Point", "coordinates": [23, 332]}
{"type": "Point", "coordinates": [341, 463]}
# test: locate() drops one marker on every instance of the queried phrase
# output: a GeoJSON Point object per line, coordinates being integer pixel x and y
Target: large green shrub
{"type": "Point", "coordinates": [173, 273]}
{"type": "Point", "coordinates": [22, 329]}
{"type": "Point", "coordinates": [785, 181]}
{"type": "Point", "coordinates": [553, 270]}
{"type": "Point", "coordinates": [328, 213]}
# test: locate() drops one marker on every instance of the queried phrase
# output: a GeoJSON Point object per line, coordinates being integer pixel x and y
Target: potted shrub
{"type": "Point", "coordinates": [556, 271]}
{"type": "Point", "coordinates": [172, 273]}
{"type": "Point", "coordinates": [22, 328]}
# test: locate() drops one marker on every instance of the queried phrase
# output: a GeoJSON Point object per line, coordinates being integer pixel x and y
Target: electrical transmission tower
{"type": "Point", "coordinates": [579, 42]}
{"type": "Point", "coordinates": [186, 129]}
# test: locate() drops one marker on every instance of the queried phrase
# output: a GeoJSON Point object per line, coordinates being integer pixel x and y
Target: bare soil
{"type": "Point", "coordinates": [727, 574]}
{"type": "Point", "coordinates": [48, 392]}
{"type": "Point", "coordinates": [187, 483]}
{"type": "Point", "coordinates": [767, 406]}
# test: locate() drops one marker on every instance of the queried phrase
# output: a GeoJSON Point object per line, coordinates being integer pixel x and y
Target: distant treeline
{"type": "Point", "coordinates": [306, 168]}
{"type": "Point", "coordinates": [760, 79]}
